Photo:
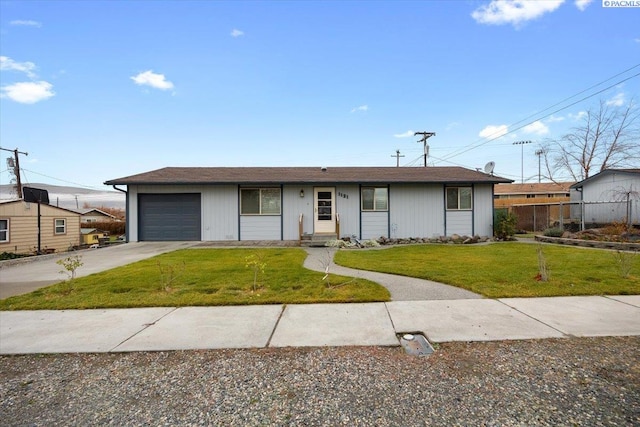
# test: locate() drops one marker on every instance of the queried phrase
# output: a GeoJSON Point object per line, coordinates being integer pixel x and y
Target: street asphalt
{"type": "Point", "coordinates": [441, 313]}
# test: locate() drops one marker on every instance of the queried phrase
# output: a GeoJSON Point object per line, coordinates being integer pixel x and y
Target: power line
{"type": "Point", "coordinates": [62, 180]}
{"type": "Point", "coordinates": [577, 94]}
{"type": "Point", "coordinates": [492, 138]}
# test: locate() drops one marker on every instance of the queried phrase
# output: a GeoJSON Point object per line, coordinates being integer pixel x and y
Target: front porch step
{"type": "Point", "coordinates": [316, 240]}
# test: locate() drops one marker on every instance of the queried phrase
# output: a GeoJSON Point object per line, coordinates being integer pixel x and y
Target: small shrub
{"type": "Point", "coordinates": [10, 255]}
{"type": "Point", "coordinates": [70, 264]}
{"type": "Point", "coordinates": [371, 243]}
{"type": "Point", "coordinates": [616, 229]}
{"type": "Point", "coordinates": [169, 273]}
{"type": "Point", "coordinates": [624, 261]}
{"type": "Point", "coordinates": [336, 243]}
{"type": "Point", "coordinates": [553, 232]}
{"type": "Point", "coordinates": [543, 269]}
{"type": "Point", "coordinates": [505, 226]}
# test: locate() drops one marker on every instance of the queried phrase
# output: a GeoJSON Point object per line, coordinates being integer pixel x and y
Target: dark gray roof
{"type": "Point", "coordinates": [308, 175]}
{"type": "Point", "coordinates": [605, 172]}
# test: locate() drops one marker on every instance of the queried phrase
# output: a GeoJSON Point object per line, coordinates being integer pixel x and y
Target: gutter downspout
{"type": "Point", "coordinates": [126, 211]}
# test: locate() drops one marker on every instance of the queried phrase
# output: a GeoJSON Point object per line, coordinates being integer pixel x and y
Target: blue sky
{"type": "Point", "coordinates": [97, 90]}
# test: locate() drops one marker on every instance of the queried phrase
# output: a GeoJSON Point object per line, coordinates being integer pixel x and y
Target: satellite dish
{"type": "Point", "coordinates": [489, 167]}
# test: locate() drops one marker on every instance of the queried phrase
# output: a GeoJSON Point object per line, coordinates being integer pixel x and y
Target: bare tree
{"type": "Point", "coordinates": [607, 138]}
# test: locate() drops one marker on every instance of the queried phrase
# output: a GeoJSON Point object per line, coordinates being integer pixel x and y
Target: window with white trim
{"type": "Point", "coordinates": [260, 201]}
{"type": "Point", "coordinates": [60, 226]}
{"type": "Point", "coordinates": [4, 230]}
{"type": "Point", "coordinates": [375, 199]}
{"type": "Point", "coordinates": [459, 198]}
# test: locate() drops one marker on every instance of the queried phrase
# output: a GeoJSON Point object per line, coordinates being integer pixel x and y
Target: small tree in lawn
{"type": "Point", "coordinates": [257, 264]}
{"type": "Point", "coordinates": [70, 264]}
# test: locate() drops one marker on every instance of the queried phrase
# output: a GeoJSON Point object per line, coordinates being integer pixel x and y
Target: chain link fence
{"type": "Point", "coordinates": [576, 216]}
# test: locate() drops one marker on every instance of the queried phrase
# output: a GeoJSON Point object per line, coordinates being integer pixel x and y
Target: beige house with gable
{"type": "Point", "coordinates": [60, 228]}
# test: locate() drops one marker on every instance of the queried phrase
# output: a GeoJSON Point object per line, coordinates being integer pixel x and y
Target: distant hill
{"type": "Point", "coordinates": [71, 197]}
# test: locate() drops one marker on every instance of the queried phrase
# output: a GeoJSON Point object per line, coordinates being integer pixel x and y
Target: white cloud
{"type": "Point", "coordinates": [406, 134]}
{"type": "Point", "coordinates": [360, 108]}
{"type": "Point", "coordinates": [582, 4]}
{"type": "Point", "coordinates": [8, 64]}
{"type": "Point", "coordinates": [26, 23]}
{"type": "Point", "coordinates": [237, 33]}
{"type": "Point", "coordinates": [581, 115]}
{"type": "Point", "coordinates": [554, 119]}
{"type": "Point", "coordinates": [493, 132]}
{"type": "Point", "coordinates": [149, 78]}
{"type": "Point", "coordinates": [537, 128]}
{"type": "Point", "coordinates": [617, 101]}
{"type": "Point", "coordinates": [514, 12]}
{"type": "Point", "coordinates": [28, 92]}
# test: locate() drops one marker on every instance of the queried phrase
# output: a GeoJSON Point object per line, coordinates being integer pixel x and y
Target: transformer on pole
{"type": "Point", "coordinates": [425, 136]}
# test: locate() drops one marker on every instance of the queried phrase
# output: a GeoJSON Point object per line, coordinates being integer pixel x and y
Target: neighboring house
{"type": "Point", "coordinates": [91, 235]}
{"type": "Point", "coordinates": [288, 203]}
{"type": "Point", "coordinates": [612, 195]}
{"type": "Point", "coordinates": [537, 206]}
{"type": "Point", "coordinates": [516, 194]}
{"type": "Point", "coordinates": [96, 215]}
{"type": "Point", "coordinates": [59, 228]}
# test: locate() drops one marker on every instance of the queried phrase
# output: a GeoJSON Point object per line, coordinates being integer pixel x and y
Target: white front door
{"type": "Point", "coordinates": [324, 199]}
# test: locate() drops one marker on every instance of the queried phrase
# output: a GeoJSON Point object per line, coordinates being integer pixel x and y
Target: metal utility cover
{"type": "Point", "coordinates": [415, 344]}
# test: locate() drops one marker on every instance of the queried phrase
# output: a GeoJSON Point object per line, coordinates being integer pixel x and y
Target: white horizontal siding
{"type": "Point", "coordinates": [459, 222]}
{"type": "Point", "coordinates": [375, 224]}
{"type": "Point", "coordinates": [260, 227]}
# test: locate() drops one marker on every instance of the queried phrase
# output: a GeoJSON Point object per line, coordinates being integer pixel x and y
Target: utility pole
{"type": "Point", "coordinates": [425, 136]}
{"type": "Point", "coordinates": [539, 153]}
{"type": "Point", "coordinates": [397, 156]}
{"type": "Point", "coordinates": [521, 144]}
{"type": "Point", "coordinates": [16, 169]}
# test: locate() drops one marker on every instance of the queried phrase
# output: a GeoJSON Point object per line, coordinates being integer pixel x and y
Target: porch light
{"type": "Point", "coordinates": [302, 193]}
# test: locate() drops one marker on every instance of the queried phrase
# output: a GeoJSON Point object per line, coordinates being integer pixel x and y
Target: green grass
{"type": "Point", "coordinates": [206, 277]}
{"type": "Point", "coordinates": [504, 269]}
{"type": "Point", "coordinates": [203, 277]}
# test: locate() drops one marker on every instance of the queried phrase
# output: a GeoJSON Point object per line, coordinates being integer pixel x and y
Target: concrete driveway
{"type": "Point", "coordinates": [36, 272]}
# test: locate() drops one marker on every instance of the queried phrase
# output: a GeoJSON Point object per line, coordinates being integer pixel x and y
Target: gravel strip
{"type": "Point", "coordinates": [577, 381]}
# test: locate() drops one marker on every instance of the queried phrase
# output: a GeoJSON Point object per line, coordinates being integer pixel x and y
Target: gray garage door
{"type": "Point", "coordinates": [169, 217]}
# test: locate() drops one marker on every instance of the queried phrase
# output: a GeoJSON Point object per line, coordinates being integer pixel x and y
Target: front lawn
{"type": "Point", "coordinates": [203, 277]}
{"type": "Point", "coordinates": [506, 269]}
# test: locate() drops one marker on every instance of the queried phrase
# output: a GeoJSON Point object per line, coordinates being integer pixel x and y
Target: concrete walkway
{"type": "Point", "coordinates": [374, 324]}
{"type": "Point", "coordinates": [401, 288]}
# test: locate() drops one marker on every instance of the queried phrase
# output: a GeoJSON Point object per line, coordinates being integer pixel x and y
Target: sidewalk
{"type": "Point", "coordinates": [374, 324]}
